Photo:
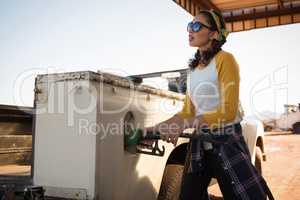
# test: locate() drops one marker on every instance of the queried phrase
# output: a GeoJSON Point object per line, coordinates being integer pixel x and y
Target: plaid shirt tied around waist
{"type": "Point", "coordinates": [233, 153]}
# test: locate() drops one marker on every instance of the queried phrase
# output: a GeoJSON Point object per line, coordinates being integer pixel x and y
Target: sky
{"type": "Point", "coordinates": [132, 37]}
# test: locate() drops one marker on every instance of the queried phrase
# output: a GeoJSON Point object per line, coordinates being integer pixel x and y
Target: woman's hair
{"type": "Point", "coordinates": [207, 55]}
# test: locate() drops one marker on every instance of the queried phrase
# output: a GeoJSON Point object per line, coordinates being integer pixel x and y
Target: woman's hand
{"type": "Point", "coordinates": [169, 130]}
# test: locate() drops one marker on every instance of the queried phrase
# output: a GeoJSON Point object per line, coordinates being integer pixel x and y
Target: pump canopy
{"type": "Point", "coordinates": [248, 14]}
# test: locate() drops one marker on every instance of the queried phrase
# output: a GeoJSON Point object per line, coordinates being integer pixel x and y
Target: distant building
{"type": "Point", "coordinates": [289, 108]}
{"type": "Point", "coordinates": [289, 118]}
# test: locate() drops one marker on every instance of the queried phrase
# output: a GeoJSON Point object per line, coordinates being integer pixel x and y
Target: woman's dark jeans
{"type": "Point", "coordinates": [194, 186]}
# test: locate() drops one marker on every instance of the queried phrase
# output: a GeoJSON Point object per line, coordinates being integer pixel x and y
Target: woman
{"type": "Point", "coordinates": [211, 106]}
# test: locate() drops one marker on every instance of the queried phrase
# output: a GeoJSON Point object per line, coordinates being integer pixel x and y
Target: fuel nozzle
{"type": "Point", "coordinates": [133, 139]}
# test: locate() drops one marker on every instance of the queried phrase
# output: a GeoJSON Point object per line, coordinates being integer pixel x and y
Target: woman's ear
{"type": "Point", "coordinates": [214, 35]}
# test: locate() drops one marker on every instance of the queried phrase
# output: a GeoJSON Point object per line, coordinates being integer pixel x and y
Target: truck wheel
{"type": "Point", "coordinates": [171, 182]}
{"type": "Point", "coordinates": [258, 159]}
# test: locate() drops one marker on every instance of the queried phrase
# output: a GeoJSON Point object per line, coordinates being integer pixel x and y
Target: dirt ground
{"type": "Point", "coordinates": [282, 168]}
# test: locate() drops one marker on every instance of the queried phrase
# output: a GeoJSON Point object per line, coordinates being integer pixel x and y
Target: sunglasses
{"type": "Point", "coordinates": [196, 26]}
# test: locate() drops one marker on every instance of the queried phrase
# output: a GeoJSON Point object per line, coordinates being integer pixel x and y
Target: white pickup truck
{"type": "Point", "coordinates": [78, 138]}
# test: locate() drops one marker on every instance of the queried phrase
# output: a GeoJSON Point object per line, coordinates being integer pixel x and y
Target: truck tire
{"type": "Point", "coordinates": [258, 159]}
{"type": "Point", "coordinates": [171, 182]}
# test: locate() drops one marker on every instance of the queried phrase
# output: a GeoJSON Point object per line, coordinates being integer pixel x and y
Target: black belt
{"type": "Point", "coordinates": [218, 135]}
{"type": "Point", "coordinates": [228, 130]}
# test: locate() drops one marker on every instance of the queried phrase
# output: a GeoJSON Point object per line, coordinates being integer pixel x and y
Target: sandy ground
{"type": "Point", "coordinates": [282, 168]}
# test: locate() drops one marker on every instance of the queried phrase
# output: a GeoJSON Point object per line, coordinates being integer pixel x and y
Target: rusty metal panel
{"type": "Point", "coordinates": [238, 26]}
{"type": "Point", "coordinates": [296, 18]}
{"type": "Point", "coordinates": [273, 21]}
{"type": "Point", "coordinates": [286, 19]}
{"type": "Point", "coordinates": [15, 140]}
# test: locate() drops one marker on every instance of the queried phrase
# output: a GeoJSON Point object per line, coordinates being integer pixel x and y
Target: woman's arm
{"type": "Point", "coordinates": [228, 77]}
{"type": "Point", "coordinates": [229, 84]}
{"type": "Point", "coordinates": [171, 128]}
